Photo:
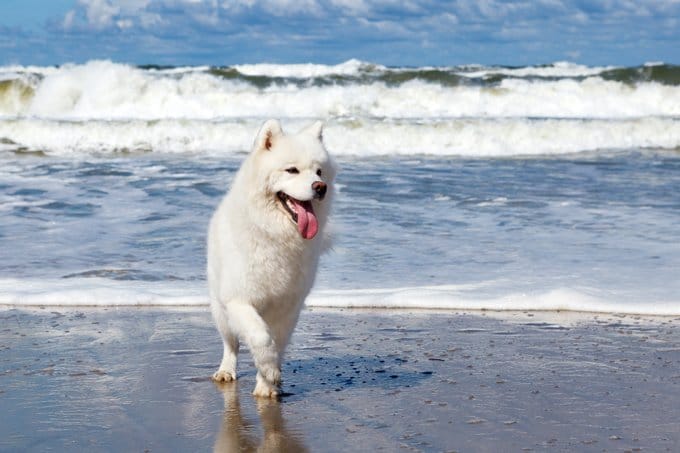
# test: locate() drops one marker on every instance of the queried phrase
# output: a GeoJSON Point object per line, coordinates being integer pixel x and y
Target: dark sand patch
{"type": "Point", "coordinates": [137, 379]}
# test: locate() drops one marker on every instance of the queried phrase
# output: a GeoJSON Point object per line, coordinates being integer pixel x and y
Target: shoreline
{"type": "Point", "coordinates": [137, 378]}
{"type": "Point", "coordinates": [555, 315]}
{"type": "Point", "coordinates": [103, 292]}
{"type": "Point", "coordinates": [549, 315]}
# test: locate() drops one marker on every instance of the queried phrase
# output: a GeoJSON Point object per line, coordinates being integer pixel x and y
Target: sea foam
{"type": "Point", "coordinates": [473, 137]}
{"type": "Point", "coordinates": [104, 90]}
{"type": "Point", "coordinates": [103, 292]}
{"type": "Point", "coordinates": [111, 107]}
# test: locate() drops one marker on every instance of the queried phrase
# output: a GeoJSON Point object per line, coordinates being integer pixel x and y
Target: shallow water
{"type": "Point", "coordinates": [600, 228]}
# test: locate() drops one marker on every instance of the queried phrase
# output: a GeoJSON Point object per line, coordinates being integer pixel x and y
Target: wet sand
{"type": "Point", "coordinates": [137, 379]}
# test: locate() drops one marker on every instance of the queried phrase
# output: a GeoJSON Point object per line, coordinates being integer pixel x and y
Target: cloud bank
{"type": "Point", "coordinates": [412, 32]}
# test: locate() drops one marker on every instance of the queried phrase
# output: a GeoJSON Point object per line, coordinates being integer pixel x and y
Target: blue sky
{"type": "Point", "coordinates": [398, 33]}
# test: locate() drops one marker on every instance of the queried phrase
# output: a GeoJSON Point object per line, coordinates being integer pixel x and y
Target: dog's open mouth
{"type": "Point", "coordinates": [301, 213]}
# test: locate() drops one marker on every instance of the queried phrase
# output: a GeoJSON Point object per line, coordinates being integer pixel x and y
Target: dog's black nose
{"type": "Point", "coordinates": [319, 189]}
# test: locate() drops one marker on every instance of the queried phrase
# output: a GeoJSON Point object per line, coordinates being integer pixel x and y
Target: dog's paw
{"type": "Point", "coordinates": [271, 375]}
{"type": "Point", "coordinates": [264, 389]}
{"type": "Point", "coordinates": [224, 376]}
{"type": "Point", "coordinates": [268, 381]}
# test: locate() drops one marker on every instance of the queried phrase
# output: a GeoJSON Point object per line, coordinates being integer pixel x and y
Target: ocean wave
{"type": "Point", "coordinates": [305, 71]}
{"type": "Point", "coordinates": [562, 69]}
{"type": "Point", "coordinates": [473, 137]}
{"type": "Point", "coordinates": [104, 292]}
{"type": "Point", "coordinates": [106, 90]}
{"type": "Point", "coordinates": [370, 109]}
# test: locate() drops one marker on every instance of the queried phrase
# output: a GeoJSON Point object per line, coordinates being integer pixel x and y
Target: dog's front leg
{"type": "Point", "coordinates": [254, 331]}
{"type": "Point", "coordinates": [227, 370]}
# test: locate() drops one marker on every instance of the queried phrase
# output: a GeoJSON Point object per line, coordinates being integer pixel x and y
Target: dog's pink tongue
{"type": "Point", "coordinates": [307, 224]}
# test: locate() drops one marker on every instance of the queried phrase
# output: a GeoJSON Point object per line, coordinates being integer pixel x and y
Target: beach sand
{"type": "Point", "coordinates": [137, 379]}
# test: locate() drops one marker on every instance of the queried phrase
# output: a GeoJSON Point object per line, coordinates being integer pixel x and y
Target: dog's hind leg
{"type": "Point", "coordinates": [227, 370]}
{"type": "Point", "coordinates": [254, 331]}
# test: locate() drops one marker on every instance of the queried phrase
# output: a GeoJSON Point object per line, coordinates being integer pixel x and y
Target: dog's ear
{"type": "Point", "coordinates": [269, 131]}
{"type": "Point", "coordinates": [315, 130]}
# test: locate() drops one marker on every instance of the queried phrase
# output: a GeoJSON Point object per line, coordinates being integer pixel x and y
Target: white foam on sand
{"type": "Point", "coordinates": [461, 298]}
{"type": "Point", "coordinates": [99, 292]}
{"type": "Point", "coordinates": [103, 292]}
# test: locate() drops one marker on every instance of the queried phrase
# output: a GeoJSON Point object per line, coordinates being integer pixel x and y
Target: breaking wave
{"type": "Point", "coordinates": [472, 137]}
{"type": "Point", "coordinates": [370, 109]}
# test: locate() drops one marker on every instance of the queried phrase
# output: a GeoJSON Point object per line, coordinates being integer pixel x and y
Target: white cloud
{"type": "Point", "coordinates": [149, 20]}
{"type": "Point", "coordinates": [99, 13]}
{"type": "Point", "coordinates": [69, 20]}
{"type": "Point", "coordinates": [385, 26]}
{"type": "Point", "coordinates": [368, 7]}
{"type": "Point", "coordinates": [103, 13]}
{"type": "Point", "coordinates": [354, 7]}
{"type": "Point", "coordinates": [305, 29]}
{"type": "Point", "coordinates": [124, 24]}
{"type": "Point", "coordinates": [276, 8]}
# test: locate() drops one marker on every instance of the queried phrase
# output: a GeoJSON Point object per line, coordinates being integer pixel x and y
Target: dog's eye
{"type": "Point", "coordinates": [293, 170]}
{"type": "Point", "coordinates": [318, 173]}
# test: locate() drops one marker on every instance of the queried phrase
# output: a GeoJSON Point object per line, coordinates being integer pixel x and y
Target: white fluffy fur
{"type": "Point", "coordinates": [260, 268]}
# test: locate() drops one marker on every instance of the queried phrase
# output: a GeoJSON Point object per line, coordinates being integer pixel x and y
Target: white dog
{"type": "Point", "coordinates": [264, 244]}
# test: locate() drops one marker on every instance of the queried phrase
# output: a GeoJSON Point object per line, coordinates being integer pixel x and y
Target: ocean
{"type": "Point", "coordinates": [552, 187]}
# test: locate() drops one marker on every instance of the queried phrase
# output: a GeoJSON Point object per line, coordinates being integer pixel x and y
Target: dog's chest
{"type": "Point", "coordinates": [278, 273]}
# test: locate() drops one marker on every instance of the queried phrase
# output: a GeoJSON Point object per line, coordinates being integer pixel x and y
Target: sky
{"type": "Point", "coordinates": [389, 32]}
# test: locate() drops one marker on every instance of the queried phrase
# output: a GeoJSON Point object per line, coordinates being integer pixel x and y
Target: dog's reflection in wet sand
{"type": "Point", "coordinates": [238, 434]}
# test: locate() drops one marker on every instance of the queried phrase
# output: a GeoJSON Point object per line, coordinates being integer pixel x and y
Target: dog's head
{"type": "Point", "coordinates": [297, 173]}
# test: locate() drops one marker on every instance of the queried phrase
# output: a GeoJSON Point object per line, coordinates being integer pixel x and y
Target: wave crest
{"type": "Point", "coordinates": [370, 109]}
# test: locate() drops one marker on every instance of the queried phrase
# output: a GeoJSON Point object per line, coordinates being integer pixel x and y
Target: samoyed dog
{"type": "Point", "coordinates": [264, 243]}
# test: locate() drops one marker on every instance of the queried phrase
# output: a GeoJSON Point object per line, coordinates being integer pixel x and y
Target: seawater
{"type": "Point", "coordinates": [456, 190]}
{"type": "Point", "coordinates": [370, 110]}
